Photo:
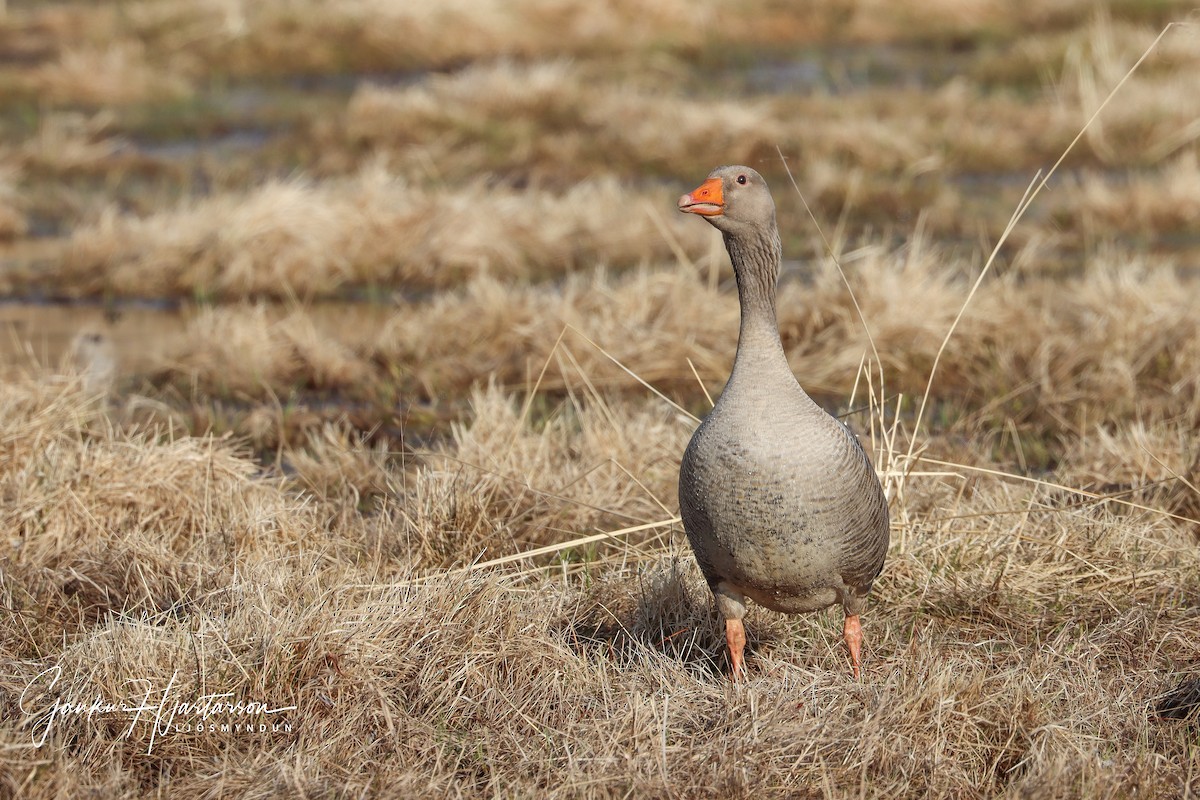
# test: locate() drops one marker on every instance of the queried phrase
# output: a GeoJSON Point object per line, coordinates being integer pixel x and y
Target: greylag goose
{"type": "Point", "coordinates": [779, 501]}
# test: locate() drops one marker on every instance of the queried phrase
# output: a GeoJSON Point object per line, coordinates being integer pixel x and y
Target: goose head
{"type": "Point", "coordinates": [733, 199]}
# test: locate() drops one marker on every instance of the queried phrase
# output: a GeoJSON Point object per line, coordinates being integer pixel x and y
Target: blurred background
{"type": "Point", "coordinates": [308, 200]}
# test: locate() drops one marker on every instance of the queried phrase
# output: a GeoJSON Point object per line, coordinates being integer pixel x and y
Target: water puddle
{"type": "Point", "coordinates": [188, 149]}
{"type": "Point", "coordinates": [841, 69]}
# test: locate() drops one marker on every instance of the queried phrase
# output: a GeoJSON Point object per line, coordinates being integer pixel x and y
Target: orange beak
{"type": "Point", "coordinates": [708, 200]}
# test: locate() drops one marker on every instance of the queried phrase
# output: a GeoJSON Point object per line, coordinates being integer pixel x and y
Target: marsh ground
{"type": "Point", "coordinates": [319, 316]}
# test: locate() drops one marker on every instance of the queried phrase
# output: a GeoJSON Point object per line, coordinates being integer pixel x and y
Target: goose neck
{"type": "Point", "coordinates": [756, 262]}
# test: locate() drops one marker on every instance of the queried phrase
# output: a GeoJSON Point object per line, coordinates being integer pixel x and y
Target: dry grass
{"type": "Point", "coordinates": [94, 54]}
{"type": "Point", "coordinates": [1016, 644]}
{"type": "Point", "coordinates": [873, 153]}
{"type": "Point", "coordinates": [564, 116]}
{"type": "Point", "coordinates": [186, 43]}
{"type": "Point", "coordinates": [69, 143]}
{"type": "Point", "coordinates": [867, 158]}
{"type": "Point", "coordinates": [554, 115]}
{"type": "Point", "coordinates": [551, 116]}
{"type": "Point", "coordinates": [1165, 200]}
{"type": "Point", "coordinates": [13, 223]}
{"type": "Point", "coordinates": [315, 37]}
{"type": "Point", "coordinates": [1051, 356]}
{"type": "Point", "coordinates": [328, 507]}
{"type": "Point", "coordinates": [118, 75]}
{"type": "Point", "coordinates": [297, 238]}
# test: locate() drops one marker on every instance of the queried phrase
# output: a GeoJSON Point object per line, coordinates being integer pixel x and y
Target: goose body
{"type": "Point", "coordinates": [779, 501]}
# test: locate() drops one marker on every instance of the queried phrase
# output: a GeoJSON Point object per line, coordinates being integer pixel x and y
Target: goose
{"type": "Point", "coordinates": [779, 501]}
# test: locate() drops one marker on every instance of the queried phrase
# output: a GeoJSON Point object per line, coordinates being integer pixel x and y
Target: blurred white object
{"type": "Point", "coordinates": [93, 358]}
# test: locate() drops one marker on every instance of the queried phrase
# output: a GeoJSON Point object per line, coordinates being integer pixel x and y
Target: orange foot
{"type": "Point", "coordinates": [735, 636]}
{"type": "Point", "coordinates": [852, 631]}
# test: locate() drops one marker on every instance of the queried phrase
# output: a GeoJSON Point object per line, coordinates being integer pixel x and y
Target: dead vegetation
{"type": "Point", "coordinates": [434, 520]}
{"type": "Point", "coordinates": [1019, 637]}
{"type": "Point", "coordinates": [1167, 200]}
{"type": "Point", "coordinates": [571, 155]}
{"type": "Point", "coordinates": [1050, 356]}
{"type": "Point", "coordinates": [872, 142]}
{"type": "Point", "coordinates": [299, 239]}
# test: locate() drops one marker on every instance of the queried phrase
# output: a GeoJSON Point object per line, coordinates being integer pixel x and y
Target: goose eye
{"type": "Point", "coordinates": [742, 179]}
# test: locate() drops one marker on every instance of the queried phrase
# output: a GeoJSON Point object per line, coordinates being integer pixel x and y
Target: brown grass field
{"type": "Point", "coordinates": [348, 351]}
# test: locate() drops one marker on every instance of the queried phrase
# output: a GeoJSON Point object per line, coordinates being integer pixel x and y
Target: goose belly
{"type": "Point", "coordinates": [786, 520]}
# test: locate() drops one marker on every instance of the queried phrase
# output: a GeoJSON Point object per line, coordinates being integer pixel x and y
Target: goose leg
{"type": "Point", "coordinates": [735, 637]}
{"type": "Point", "coordinates": [731, 605]}
{"type": "Point", "coordinates": [852, 631]}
